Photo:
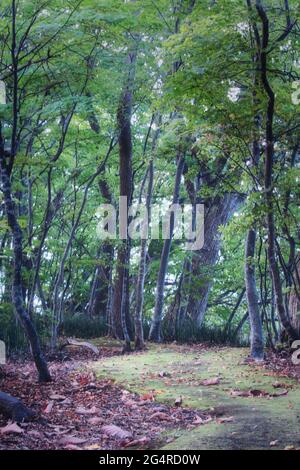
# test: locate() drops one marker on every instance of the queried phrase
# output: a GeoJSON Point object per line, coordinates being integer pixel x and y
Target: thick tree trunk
{"type": "Point", "coordinates": [216, 214]}
{"type": "Point", "coordinates": [17, 285]}
{"type": "Point", "coordinates": [257, 341]}
{"type": "Point", "coordinates": [14, 409]}
{"type": "Point", "coordinates": [155, 330]}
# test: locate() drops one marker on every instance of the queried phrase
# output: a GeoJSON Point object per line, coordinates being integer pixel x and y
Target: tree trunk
{"type": "Point", "coordinates": [155, 330]}
{"type": "Point", "coordinates": [294, 300]}
{"type": "Point", "coordinates": [12, 408]}
{"type": "Point", "coordinates": [216, 214]}
{"type": "Point", "coordinates": [121, 310]}
{"type": "Point", "coordinates": [17, 284]}
{"type": "Point", "coordinates": [257, 342]}
{"type": "Point", "coordinates": [139, 334]}
{"type": "Point", "coordinates": [268, 175]}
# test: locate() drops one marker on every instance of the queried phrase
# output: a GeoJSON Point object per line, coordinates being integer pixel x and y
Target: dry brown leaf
{"type": "Point", "coordinates": [86, 411]}
{"type": "Point", "coordinates": [72, 440]}
{"type": "Point", "coordinates": [239, 393]}
{"type": "Point", "coordinates": [160, 415]}
{"type": "Point", "coordinates": [92, 447]}
{"type": "Point", "coordinates": [225, 419]}
{"type": "Point", "coordinates": [137, 442]}
{"type": "Point", "coordinates": [148, 396]}
{"type": "Point", "coordinates": [49, 407]}
{"type": "Point", "coordinates": [116, 431]}
{"type": "Point", "coordinates": [11, 428]}
{"type": "Point", "coordinates": [279, 394]}
{"type": "Point", "coordinates": [72, 447]}
{"type": "Point", "coordinates": [95, 420]}
{"type": "Point", "coordinates": [212, 381]}
{"type": "Point", "coordinates": [57, 397]}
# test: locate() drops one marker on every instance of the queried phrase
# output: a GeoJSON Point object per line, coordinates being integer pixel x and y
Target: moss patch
{"type": "Point", "coordinates": [172, 371]}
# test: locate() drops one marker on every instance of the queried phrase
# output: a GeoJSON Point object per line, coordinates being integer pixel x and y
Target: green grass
{"type": "Point", "coordinates": [257, 421]}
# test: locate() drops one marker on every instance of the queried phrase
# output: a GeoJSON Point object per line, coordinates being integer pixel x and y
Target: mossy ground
{"type": "Point", "coordinates": [172, 371]}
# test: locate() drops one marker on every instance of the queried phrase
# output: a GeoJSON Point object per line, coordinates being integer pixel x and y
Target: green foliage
{"type": "Point", "coordinates": [81, 326]}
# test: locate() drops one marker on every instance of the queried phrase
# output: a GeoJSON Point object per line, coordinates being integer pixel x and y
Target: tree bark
{"type": "Point", "coordinates": [294, 301]}
{"type": "Point", "coordinates": [216, 214]}
{"type": "Point", "coordinates": [17, 284]}
{"type": "Point", "coordinates": [257, 341]}
{"type": "Point", "coordinates": [268, 175]}
{"type": "Point", "coordinates": [121, 305]}
{"type": "Point", "coordinates": [14, 409]}
{"type": "Point", "coordinates": [139, 333]}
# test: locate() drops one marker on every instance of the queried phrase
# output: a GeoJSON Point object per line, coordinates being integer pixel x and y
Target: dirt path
{"type": "Point", "coordinates": [250, 406]}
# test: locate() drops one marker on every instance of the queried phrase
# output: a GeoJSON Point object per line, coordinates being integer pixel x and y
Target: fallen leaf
{"type": "Point", "coordinates": [95, 420]}
{"type": "Point", "coordinates": [199, 420]}
{"type": "Point", "coordinates": [72, 440]}
{"type": "Point", "coordinates": [160, 415]}
{"type": "Point", "coordinates": [274, 443]}
{"type": "Point", "coordinates": [225, 419]}
{"type": "Point", "coordinates": [212, 381]}
{"type": "Point", "coordinates": [148, 396]}
{"type": "Point", "coordinates": [137, 442]}
{"type": "Point", "coordinates": [86, 411]}
{"type": "Point", "coordinates": [72, 447]}
{"type": "Point", "coordinates": [92, 447]}
{"type": "Point", "coordinates": [49, 407]}
{"type": "Point", "coordinates": [239, 393]}
{"type": "Point", "coordinates": [116, 431]}
{"type": "Point", "coordinates": [11, 428]}
{"type": "Point", "coordinates": [57, 397]}
{"type": "Point", "coordinates": [279, 385]}
{"type": "Point", "coordinates": [279, 394]}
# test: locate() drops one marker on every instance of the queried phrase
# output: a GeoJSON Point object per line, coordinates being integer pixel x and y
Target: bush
{"type": "Point", "coordinates": [82, 326]}
{"type": "Point", "coordinates": [13, 334]}
{"type": "Point", "coordinates": [190, 332]}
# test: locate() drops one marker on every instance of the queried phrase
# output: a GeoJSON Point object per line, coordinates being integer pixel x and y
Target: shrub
{"type": "Point", "coordinates": [82, 326]}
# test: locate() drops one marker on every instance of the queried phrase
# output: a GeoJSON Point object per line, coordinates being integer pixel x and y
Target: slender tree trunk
{"type": "Point", "coordinates": [121, 305]}
{"type": "Point", "coordinates": [268, 175]}
{"type": "Point", "coordinates": [155, 330]}
{"type": "Point", "coordinates": [17, 284]}
{"type": "Point", "coordinates": [240, 325]}
{"type": "Point", "coordinates": [257, 341]}
{"type": "Point", "coordinates": [139, 334]}
{"type": "Point", "coordinates": [294, 301]}
{"type": "Point", "coordinates": [99, 294]}
{"type": "Point", "coordinates": [231, 317]}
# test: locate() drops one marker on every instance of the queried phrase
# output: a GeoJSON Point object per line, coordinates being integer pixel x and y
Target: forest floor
{"type": "Point", "coordinates": [170, 397]}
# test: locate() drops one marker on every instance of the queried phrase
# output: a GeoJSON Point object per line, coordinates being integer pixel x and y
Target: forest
{"type": "Point", "coordinates": [149, 225]}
